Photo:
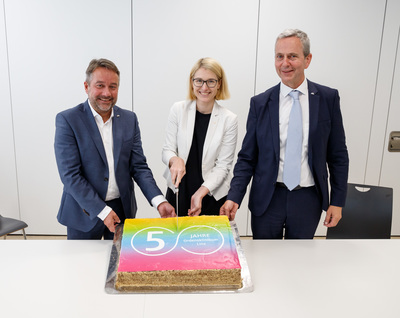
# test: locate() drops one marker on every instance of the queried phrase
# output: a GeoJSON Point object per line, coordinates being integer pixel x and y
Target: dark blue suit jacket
{"type": "Point", "coordinates": [259, 156]}
{"type": "Point", "coordinates": [82, 164]}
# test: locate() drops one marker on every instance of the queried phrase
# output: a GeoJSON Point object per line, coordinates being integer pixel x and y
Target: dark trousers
{"type": "Point", "coordinates": [99, 230]}
{"type": "Point", "coordinates": [292, 214]}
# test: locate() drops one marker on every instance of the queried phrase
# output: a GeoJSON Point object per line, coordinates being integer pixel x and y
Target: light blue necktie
{"type": "Point", "coordinates": [292, 164]}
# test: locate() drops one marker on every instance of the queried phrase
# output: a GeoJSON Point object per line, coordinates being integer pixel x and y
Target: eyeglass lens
{"type": "Point", "coordinates": [198, 82]}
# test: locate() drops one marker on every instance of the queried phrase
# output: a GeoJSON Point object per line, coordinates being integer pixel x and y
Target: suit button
{"type": "Point", "coordinates": [105, 179]}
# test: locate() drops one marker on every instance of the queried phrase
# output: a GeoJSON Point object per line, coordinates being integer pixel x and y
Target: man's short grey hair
{"type": "Point", "coordinates": [305, 41]}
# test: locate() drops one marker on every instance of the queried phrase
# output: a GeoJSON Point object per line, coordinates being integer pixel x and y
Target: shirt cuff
{"type": "Point", "coordinates": [104, 213]}
{"type": "Point", "coordinates": [157, 200]}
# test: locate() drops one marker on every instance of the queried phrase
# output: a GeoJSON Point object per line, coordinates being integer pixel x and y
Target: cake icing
{"type": "Point", "coordinates": [199, 253]}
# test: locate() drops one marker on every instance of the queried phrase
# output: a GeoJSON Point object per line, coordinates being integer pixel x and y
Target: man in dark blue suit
{"type": "Point", "coordinates": [278, 210]}
{"type": "Point", "coordinates": [99, 153]}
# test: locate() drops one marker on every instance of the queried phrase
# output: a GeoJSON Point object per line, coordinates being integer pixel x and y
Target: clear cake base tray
{"type": "Point", "coordinates": [247, 286]}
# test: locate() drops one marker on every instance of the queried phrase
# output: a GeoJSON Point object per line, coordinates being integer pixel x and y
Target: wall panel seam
{"type": "Point", "coordinates": [11, 108]}
{"type": "Point", "coordinates": [256, 57]}
{"type": "Point", "coordinates": [389, 106]}
{"type": "Point", "coordinates": [375, 91]}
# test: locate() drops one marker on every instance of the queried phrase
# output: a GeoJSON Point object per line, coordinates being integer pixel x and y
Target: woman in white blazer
{"type": "Point", "coordinates": [200, 143]}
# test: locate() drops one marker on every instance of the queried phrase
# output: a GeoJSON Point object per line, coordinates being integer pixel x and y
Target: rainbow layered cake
{"type": "Point", "coordinates": [197, 253]}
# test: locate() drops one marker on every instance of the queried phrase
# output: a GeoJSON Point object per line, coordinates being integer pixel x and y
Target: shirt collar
{"type": "Point", "coordinates": [97, 116]}
{"type": "Point", "coordinates": [303, 88]}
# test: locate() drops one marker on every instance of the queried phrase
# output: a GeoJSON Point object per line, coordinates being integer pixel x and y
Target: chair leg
{"type": "Point", "coordinates": [23, 232]}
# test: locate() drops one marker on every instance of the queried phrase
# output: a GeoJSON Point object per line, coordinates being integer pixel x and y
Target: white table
{"type": "Point", "coordinates": [316, 278]}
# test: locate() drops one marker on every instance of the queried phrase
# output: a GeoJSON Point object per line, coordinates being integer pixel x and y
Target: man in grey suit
{"type": "Point", "coordinates": [99, 153]}
{"type": "Point", "coordinates": [280, 206]}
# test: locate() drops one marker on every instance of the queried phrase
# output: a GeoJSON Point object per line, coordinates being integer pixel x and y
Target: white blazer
{"type": "Point", "coordinates": [219, 145]}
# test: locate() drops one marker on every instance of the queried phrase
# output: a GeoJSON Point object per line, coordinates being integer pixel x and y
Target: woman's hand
{"type": "Point", "coordinates": [177, 169]}
{"type": "Point", "coordinates": [195, 202]}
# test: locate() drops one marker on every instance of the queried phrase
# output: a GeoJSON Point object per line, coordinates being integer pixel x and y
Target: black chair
{"type": "Point", "coordinates": [9, 225]}
{"type": "Point", "coordinates": [367, 214]}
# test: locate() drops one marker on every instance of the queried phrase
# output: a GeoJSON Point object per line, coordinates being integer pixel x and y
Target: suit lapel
{"type": "Point", "coordinates": [273, 109]}
{"type": "Point", "coordinates": [118, 132]}
{"type": "Point", "coordinates": [93, 130]}
{"type": "Point", "coordinates": [190, 126]}
{"type": "Point", "coordinates": [212, 126]}
{"type": "Point", "coordinates": [313, 101]}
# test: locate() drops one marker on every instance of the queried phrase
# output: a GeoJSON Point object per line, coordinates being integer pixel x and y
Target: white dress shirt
{"type": "Point", "coordinates": [285, 106]}
{"type": "Point", "coordinates": [105, 129]}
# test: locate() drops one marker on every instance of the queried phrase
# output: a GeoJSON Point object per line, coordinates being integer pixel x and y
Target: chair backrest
{"type": "Point", "coordinates": [366, 215]}
{"type": "Point", "coordinates": [9, 225]}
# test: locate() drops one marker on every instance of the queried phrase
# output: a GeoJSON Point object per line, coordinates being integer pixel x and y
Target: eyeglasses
{"type": "Point", "coordinates": [211, 83]}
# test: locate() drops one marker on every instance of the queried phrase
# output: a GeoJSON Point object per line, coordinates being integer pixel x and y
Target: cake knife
{"type": "Point", "coordinates": [177, 208]}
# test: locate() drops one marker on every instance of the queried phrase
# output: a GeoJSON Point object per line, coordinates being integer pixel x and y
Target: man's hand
{"type": "Point", "coordinates": [229, 209]}
{"type": "Point", "coordinates": [333, 216]}
{"type": "Point", "coordinates": [111, 221]}
{"type": "Point", "coordinates": [166, 210]}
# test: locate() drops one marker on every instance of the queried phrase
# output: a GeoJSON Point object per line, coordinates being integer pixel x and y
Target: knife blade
{"type": "Point", "coordinates": [177, 207]}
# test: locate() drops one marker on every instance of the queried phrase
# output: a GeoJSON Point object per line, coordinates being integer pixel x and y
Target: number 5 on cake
{"type": "Point", "coordinates": [159, 241]}
{"type": "Point", "coordinates": [154, 241]}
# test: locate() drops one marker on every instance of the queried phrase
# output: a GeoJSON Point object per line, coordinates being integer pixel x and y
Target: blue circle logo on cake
{"type": "Point", "coordinates": [154, 241]}
{"type": "Point", "coordinates": [187, 252]}
{"type": "Point", "coordinates": [200, 239]}
{"type": "Point", "coordinates": [197, 239]}
{"type": "Point", "coordinates": [189, 243]}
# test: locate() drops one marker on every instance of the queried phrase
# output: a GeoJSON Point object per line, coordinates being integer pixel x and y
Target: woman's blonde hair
{"type": "Point", "coordinates": [212, 65]}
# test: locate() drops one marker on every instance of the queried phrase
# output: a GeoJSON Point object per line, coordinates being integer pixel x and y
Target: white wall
{"type": "Point", "coordinates": [50, 44]}
{"type": "Point", "coordinates": [169, 37]}
{"type": "Point", "coordinates": [383, 168]}
{"type": "Point", "coordinates": [8, 184]}
{"type": "Point", "coordinates": [45, 46]}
